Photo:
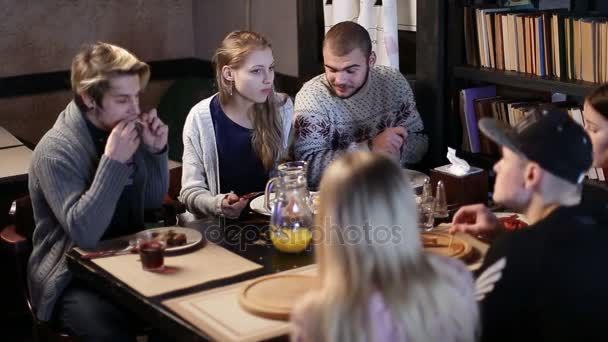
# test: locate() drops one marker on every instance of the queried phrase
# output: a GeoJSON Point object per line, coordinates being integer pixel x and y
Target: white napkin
{"type": "Point", "coordinates": [458, 167]}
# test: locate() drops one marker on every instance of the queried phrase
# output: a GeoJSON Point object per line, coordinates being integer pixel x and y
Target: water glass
{"type": "Point", "coordinates": [426, 214]}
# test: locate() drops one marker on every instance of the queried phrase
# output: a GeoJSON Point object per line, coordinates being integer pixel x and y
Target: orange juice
{"type": "Point", "coordinates": [290, 240]}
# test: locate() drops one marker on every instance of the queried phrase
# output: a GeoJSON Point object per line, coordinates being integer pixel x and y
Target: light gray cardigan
{"type": "Point", "coordinates": [200, 166]}
{"type": "Point", "coordinates": [74, 194]}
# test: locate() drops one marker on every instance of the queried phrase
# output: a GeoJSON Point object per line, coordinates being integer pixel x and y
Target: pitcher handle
{"type": "Point", "coordinates": [267, 191]}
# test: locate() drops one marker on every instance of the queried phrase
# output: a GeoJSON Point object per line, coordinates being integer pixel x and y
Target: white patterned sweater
{"type": "Point", "coordinates": [327, 126]}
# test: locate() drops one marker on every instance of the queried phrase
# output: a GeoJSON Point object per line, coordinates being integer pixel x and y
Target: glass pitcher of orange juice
{"type": "Point", "coordinates": [291, 215]}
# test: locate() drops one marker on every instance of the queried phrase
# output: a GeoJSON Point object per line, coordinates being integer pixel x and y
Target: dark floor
{"type": "Point", "coordinates": [18, 329]}
{"type": "Point", "coordinates": [15, 322]}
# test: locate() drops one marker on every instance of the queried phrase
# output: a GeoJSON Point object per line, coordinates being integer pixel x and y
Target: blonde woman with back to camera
{"type": "Point", "coordinates": [234, 139]}
{"type": "Point", "coordinates": [377, 283]}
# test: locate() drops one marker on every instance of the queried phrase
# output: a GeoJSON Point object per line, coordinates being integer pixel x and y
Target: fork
{"type": "Point", "coordinates": [109, 252]}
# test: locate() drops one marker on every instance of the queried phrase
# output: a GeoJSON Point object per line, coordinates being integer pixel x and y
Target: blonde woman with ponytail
{"type": "Point", "coordinates": [377, 283]}
{"type": "Point", "coordinates": [234, 139]}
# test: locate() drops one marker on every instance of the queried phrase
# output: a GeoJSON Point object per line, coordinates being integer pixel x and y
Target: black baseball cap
{"type": "Point", "coordinates": [549, 137]}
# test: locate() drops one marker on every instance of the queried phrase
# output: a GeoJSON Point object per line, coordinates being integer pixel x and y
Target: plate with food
{"type": "Point", "coordinates": [257, 204]}
{"type": "Point", "coordinates": [512, 221]}
{"type": "Point", "coordinates": [175, 238]}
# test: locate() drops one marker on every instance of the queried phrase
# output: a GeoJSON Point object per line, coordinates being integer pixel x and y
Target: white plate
{"type": "Point", "coordinates": [417, 178]}
{"type": "Point", "coordinates": [257, 204]}
{"type": "Point", "coordinates": [193, 237]}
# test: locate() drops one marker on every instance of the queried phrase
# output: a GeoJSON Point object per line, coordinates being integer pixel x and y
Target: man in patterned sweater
{"type": "Point", "coordinates": [355, 105]}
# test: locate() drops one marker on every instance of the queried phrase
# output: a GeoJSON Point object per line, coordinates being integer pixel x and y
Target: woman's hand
{"type": "Point", "coordinates": [232, 205]}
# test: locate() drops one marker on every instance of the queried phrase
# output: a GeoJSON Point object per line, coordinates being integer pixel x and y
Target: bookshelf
{"type": "Point", "coordinates": [457, 69]}
{"type": "Point", "coordinates": [445, 73]}
{"type": "Point", "coordinates": [524, 81]}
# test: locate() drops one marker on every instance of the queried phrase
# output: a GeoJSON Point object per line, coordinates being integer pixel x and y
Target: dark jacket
{"type": "Point", "coordinates": [554, 286]}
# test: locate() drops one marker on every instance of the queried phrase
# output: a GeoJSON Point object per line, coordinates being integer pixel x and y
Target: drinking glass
{"type": "Point", "coordinates": [151, 254]}
{"type": "Point", "coordinates": [426, 214]}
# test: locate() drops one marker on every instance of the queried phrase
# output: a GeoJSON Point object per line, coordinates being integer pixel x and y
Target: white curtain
{"type": "Point", "coordinates": [379, 20]}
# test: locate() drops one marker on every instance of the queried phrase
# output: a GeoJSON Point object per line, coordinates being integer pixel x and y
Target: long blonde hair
{"type": "Point", "coordinates": [267, 123]}
{"type": "Point", "coordinates": [368, 242]}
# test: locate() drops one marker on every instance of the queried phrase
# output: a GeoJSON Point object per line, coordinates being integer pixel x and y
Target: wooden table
{"type": "Point", "coordinates": [15, 163]}
{"type": "Point", "coordinates": [237, 236]}
{"type": "Point", "coordinates": [15, 160]}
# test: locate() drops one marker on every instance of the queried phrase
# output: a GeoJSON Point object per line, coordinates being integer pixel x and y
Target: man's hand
{"type": "Point", "coordinates": [232, 205]}
{"type": "Point", "coordinates": [154, 132]}
{"type": "Point", "coordinates": [475, 219]}
{"type": "Point", "coordinates": [389, 141]}
{"type": "Point", "coordinates": [122, 142]}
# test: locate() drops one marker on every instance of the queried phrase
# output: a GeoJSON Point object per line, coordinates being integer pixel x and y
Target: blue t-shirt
{"type": "Point", "coordinates": [241, 170]}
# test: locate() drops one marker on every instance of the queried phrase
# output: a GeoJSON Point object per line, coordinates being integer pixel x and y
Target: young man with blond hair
{"type": "Point", "coordinates": [355, 105]}
{"type": "Point", "coordinates": [92, 175]}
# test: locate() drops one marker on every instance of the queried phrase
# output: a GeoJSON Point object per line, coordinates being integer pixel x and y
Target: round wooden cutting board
{"type": "Point", "coordinates": [274, 296]}
{"type": "Point", "coordinates": [440, 243]}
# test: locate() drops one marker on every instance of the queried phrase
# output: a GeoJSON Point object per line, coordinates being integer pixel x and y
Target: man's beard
{"type": "Point", "coordinates": [356, 90]}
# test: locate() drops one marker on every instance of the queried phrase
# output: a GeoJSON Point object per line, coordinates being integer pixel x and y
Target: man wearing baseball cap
{"type": "Point", "coordinates": [553, 286]}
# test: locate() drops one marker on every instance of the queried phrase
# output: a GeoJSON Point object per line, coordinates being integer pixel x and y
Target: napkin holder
{"type": "Point", "coordinates": [472, 187]}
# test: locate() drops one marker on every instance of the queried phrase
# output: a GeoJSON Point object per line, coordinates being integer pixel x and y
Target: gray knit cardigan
{"type": "Point", "coordinates": [74, 194]}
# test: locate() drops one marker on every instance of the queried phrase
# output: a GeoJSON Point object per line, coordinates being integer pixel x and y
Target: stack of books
{"type": "Point", "coordinates": [479, 102]}
{"type": "Point", "coordinates": [551, 43]}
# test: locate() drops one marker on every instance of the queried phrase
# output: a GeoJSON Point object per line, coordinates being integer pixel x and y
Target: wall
{"type": "Point", "coordinates": [276, 19]}
{"type": "Point", "coordinates": [406, 14]}
{"type": "Point", "coordinates": [29, 117]}
{"type": "Point", "coordinates": [43, 36]}
{"type": "Point", "coordinates": [213, 20]}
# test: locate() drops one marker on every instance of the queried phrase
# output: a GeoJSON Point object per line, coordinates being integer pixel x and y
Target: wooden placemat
{"type": "Point", "coordinates": [274, 296]}
{"type": "Point", "coordinates": [201, 266]}
{"type": "Point", "coordinates": [218, 313]}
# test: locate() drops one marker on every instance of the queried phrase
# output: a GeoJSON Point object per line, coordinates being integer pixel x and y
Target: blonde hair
{"type": "Point", "coordinates": [267, 137]}
{"type": "Point", "coordinates": [94, 66]}
{"type": "Point", "coordinates": [368, 192]}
